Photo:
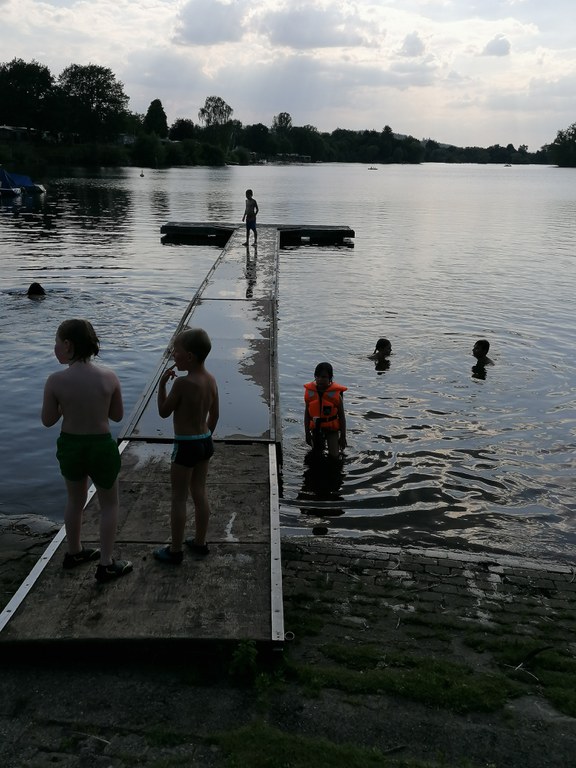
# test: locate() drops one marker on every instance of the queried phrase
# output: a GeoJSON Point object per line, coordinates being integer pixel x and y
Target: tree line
{"type": "Point", "coordinates": [81, 117]}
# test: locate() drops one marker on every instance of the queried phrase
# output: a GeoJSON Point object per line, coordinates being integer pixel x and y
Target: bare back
{"type": "Point", "coordinates": [195, 403]}
{"type": "Point", "coordinates": [86, 396]}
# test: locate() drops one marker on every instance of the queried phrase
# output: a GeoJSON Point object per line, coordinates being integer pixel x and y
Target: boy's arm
{"type": "Point", "coordinates": [116, 410]}
{"type": "Point", "coordinates": [167, 403]}
{"type": "Point", "coordinates": [214, 412]}
{"type": "Point", "coordinates": [51, 412]}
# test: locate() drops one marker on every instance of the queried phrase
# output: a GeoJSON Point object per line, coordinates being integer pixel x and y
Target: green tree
{"type": "Point", "coordinates": [256, 138]}
{"type": "Point", "coordinates": [25, 89]}
{"type": "Point", "coordinates": [282, 123]}
{"type": "Point", "coordinates": [413, 150]}
{"type": "Point", "coordinates": [219, 128]}
{"type": "Point", "coordinates": [133, 123]}
{"type": "Point", "coordinates": [563, 148]}
{"type": "Point", "coordinates": [215, 112]}
{"type": "Point", "coordinates": [148, 151]}
{"type": "Point", "coordinates": [182, 129]}
{"type": "Point", "coordinates": [212, 155]}
{"type": "Point", "coordinates": [94, 102]}
{"type": "Point", "coordinates": [155, 120]}
{"type": "Point", "coordinates": [307, 141]}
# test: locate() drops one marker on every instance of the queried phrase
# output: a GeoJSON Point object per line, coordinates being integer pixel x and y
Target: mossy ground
{"type": "Point", "coordinates": [384, 669]}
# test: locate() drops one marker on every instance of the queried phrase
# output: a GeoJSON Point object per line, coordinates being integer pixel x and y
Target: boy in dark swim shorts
{"type": "Point", "coordinates": [190, 450]}
{"type": "Point", "coordinates": [249, 217]}
{"type": "Point", "coordinates": [85, 396]}
{"type": "Point", "coordinates": [193, 401]}
{"type": "Point", "coordinates": [93, 455]}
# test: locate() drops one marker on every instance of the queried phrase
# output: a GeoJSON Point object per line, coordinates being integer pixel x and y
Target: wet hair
{"type": "Point", "coordinates": [324, 368]}
{"type": "Point", "coordinates": [249, 193]}
{"type": "Point", "coordinates": [82, 336]}
{"type": "Point", "coordinates": [197, 341]}
{"type": "Point", "coordinates": [383, 344]}
{"type": "Point", "coordinates": [36, 289]}
{"type": "Point", "coordinates": [482, 346]}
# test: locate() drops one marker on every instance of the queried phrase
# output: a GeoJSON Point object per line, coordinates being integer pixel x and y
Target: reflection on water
{"type": "Point", "coordinates": [321, 484]}
{"type": "Point", "coordinates": [440, 449]}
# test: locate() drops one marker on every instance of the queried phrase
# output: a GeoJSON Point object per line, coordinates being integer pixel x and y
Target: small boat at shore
{"type": "Point", "coordinates": [15, 184]}
{"type": "Point", "coordinates": [8, 187]}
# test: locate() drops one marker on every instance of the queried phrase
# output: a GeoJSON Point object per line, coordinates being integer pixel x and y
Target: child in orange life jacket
{"type": "Point", "coordinates": [324, 418]}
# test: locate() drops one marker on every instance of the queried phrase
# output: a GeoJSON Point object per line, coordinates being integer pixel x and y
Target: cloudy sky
{"type": "Point", "coordinates": [458, 71]}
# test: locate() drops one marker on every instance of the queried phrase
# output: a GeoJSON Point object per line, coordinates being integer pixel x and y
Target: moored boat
{"type": "Point", "coordinates": [14, 184]}
{"type": "Point", "coordinates": [26, 184]}
{"type": "Point", "coordinates": [8, 187]}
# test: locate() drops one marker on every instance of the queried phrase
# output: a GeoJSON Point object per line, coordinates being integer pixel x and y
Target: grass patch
{"type": "Point", "coordinates": [158, 737]}
{"type": "Point", "coordinates": [543, 670]}
{"type": "Point", "coordinates": [260, 746]}
{"type": "Point", "coordinates": [438, 683]}
{"type": "Point", "coordinates": [303, 624]}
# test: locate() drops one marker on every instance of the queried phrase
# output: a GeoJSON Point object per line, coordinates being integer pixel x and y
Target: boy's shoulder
{"type": "Point", "coordinates": [199, 376]}
{"type": "Point", "coordinates": [55, 376]}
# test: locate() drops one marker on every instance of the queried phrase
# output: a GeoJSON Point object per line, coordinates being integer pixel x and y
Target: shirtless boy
{"type": "Point", "coordinates": [85, 396]}
{"type": "Point", "coordinates": [249, 217]}
{"type": "Point", "coordinates": [193, 401]}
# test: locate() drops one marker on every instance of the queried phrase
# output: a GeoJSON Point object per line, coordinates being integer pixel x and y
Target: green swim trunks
{"type": "Point", "coordinates": [95, 456]}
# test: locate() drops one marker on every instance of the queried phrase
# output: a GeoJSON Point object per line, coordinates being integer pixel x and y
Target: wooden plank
{"type": "Point", "coordinates": [226, 595]}
{"type": "Point", "coordinates": [200, 227]}
{"type": "Point", "coordinates": [218, 598]}
{"type": "Point", "coordinates": [241, 361]}
{"type": "Point", "coordinates": [237, 305]}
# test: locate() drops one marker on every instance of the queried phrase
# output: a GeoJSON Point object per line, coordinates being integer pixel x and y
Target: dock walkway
{"type": "Point", "coordinates": [236, 592]}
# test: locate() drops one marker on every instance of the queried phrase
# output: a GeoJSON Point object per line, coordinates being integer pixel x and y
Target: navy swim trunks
{"type": "Point", "coordinates": [93, 456]}
{"type": "Point", "coordinates": [190, 450]}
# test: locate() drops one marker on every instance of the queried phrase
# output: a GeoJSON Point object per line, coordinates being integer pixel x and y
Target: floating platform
{"type": "Point", "coordinates": [235, 592]}
{"type": "Point", "coordinates": [289, 234]}
{"type": "Point", "coordinates": [226, 595]}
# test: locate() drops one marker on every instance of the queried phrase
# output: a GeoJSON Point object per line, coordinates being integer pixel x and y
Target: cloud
{"type": "Point", "coordinates": [412, 45]}
{"type": "Point", "coordinates": [308, 27]}
{"type": "Point", "coordinates": [208, 22]}
{"type": "Point", "coordinates": [426, 67]}
{"type": "Point", "coordinates": [498, 46]}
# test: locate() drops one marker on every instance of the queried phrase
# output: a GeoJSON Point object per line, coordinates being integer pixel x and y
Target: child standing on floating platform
{"type": "Point", "coordinates": [86, 396]}
{"type": "Point", "coordinates": [250, 217]}
{"type": "Point", "coordinates": [324, 417]}
{"type": "Point", "coordinates": [194, 402]}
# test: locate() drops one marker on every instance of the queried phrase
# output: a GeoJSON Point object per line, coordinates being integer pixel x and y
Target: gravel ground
{"type": "Point", "coordinates": [106, 708]}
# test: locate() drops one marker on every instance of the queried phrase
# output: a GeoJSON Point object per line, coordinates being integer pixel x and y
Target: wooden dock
{"type": "Point", "coordinates": [236, 592]}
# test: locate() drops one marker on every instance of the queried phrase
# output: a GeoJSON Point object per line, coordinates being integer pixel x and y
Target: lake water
{"type": "Point", "coordinates": [443, 255]}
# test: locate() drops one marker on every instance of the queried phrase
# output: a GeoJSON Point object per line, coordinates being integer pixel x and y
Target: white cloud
{"type": "Point", "coordinates": [412, 45]}
{"type": "Point", "coordinates": [206, 22]}
{"type": "Point", "coordinates": [421, 66]}
{"type": "Point", "coordinates": [498, 46]}
{"type": "Point", "coordinates": [308, 26]}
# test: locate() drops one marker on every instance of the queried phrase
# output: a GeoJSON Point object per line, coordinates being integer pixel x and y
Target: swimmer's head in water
{"type": "Point", "coordinates": [383, 347]}
{"type": "Point", "coordinates": [481, 348]}
{"type": "Point", "coordinates": [36, 289]}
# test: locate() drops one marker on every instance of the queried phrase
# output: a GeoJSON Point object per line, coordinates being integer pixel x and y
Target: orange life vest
{"type": "Point", "coordinates": [323, 408]}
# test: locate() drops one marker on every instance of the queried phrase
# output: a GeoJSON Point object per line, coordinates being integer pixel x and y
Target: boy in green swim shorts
{"type": "Point", "coordinates": [86, 396]}
{"type": "Point", "coordinates": [194, 402]}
